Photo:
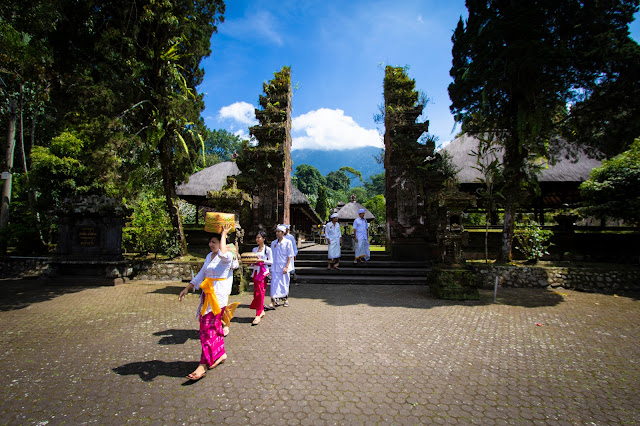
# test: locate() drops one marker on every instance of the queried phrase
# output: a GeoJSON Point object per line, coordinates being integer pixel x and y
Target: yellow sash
{"type": "Point", "coordinates": [210, 298]}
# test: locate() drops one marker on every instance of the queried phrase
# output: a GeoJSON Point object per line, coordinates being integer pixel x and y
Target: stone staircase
{"type": "Point", "coordinates": [311, 268]}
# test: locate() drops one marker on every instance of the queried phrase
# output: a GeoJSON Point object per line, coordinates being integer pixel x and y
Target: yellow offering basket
{"type": "Point", "coordinates": [214, 221]}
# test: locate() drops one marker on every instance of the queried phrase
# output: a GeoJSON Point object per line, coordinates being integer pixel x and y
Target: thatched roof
{"type": "Point", "coordinates": [297, 197]}
{"type": "Point", "coordinates": [564, 170]}
{"type": "Point", "coordinates": [350, 212]}
{"type": "Point", "coordinates": [212, 178]}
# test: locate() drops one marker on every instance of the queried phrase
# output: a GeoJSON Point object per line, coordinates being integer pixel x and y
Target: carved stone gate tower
{"type": "Point", "coordinates": [410, 216]}
{"type": "Point", "coordinates": [266, 168]}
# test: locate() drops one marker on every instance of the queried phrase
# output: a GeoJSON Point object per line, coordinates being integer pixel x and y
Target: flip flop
{"type": "Point", "coordinates": [285, 304]}
{"type": "Point", "coordinates": [196, 378]}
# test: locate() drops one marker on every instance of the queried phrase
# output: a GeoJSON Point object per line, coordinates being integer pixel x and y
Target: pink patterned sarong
{"type": "Point", "coordinates": [259, 288]}
{"type": "Point", "coordinates": [211, 338]}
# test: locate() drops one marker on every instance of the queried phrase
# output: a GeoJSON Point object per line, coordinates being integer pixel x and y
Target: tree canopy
{"type": "Point", "coordinates": [118, 76]}
{"type": "Point", "coordinates": [517, 65]}
{"type": "Point", "coordinates": [613, 189]}
{"type": "Point", "coordinates": [308, 179]}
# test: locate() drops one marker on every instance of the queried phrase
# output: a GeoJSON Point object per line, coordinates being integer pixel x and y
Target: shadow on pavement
{"type": "Point", "coordinates": [176, 337]}
{"type": "Point", "coordinates": [419, 297]}
{"type": "Point", "coordinates": [19, 294]}
{"type": "Point", "coordinates": [149, 370]}
{"type": "Point", "coordinates": [170, 289]}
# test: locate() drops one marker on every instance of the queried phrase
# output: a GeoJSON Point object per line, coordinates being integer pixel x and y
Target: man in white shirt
{"type": "Point", "coordinates": [361, 238]}
{"type": "Point", "coordinates": [333, 234]}
{"type": "Point", "coordinates": [292, 267]}
{"type": "Point", "coordinates": [282, 252]}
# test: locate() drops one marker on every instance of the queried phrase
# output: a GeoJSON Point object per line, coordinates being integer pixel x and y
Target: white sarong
{"type": "Point", "coordinates": [279, 284]}
{"type": "Point", "coordinates": [362, 249]}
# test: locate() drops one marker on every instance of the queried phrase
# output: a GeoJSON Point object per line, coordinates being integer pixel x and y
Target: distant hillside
{"type": "Point", "coordinates": [361, 159]}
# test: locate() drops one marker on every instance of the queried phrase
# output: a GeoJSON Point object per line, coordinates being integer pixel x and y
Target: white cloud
{"type": "Point", "coordinates": [241, 112]}
{"type": "Point", "coordinates": [330, 129]}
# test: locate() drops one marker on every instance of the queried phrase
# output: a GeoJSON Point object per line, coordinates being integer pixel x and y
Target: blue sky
{"type": "Point", "coordinates": [337, 50]}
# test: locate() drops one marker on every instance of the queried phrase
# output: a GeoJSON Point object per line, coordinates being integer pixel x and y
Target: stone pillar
{"type": "Point", "coordinates": [408, 221]}
{"type": "Point", "coordinates": [266, 168]}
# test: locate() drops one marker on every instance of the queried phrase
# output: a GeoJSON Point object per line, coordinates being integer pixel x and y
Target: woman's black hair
{"type": "Point", "coordinates": [262, 233]}
{"type": "Point", "coordinates": [216, 236]}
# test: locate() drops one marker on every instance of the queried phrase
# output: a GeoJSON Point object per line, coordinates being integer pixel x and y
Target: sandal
{"type": "Point", "coordinates": [286, 304]}
{"type": "Point", "coordinates": [256, 321]}
{"type": "Point", "coordinates": [225, 331]}
{"type": "Point", "coordinates": [196, 377]}
{"type": "Point", "coordinates": [336, 267]}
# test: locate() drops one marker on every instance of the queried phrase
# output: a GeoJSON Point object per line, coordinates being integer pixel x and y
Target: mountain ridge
{"type": "Point", "coordinates": [361, 159]}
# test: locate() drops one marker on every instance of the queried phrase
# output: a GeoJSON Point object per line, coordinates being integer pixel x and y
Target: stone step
{"type": "Point", "coordinates": [347, 263]}
{"type": "Point", "coordinates": [319, 255]}
{"type": "Point", "coordinates": [360, 280]}
{"type": "Point", "coordinates": [364, 270]}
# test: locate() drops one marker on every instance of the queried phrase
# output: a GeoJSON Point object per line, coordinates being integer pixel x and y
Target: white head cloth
{"type": "Point", "coordinates": [281, 228]}
{"type": "Point", "coordinates": [360, 211]}
{"type": "Point", "coordinates": [333, 215]}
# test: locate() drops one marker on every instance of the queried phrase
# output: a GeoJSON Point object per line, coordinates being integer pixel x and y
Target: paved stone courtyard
{"type": "Point", "coordinates": [338, 354]}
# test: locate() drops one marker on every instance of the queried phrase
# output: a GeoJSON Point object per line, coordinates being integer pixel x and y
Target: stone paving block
{"type": "Point", "coordinates": [338, 354]}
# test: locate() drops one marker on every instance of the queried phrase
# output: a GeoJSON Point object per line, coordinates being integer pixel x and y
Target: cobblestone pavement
{"type": "Point", "coordinates": [338, 354]}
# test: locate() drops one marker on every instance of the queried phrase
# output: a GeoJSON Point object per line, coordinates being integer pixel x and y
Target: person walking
{"type": "Point", "coordinates": [259, 275]}
{"type": "Point", "coordinates": [333, 234]}
{"type": "Point", "coordinates": [229, 311]}
{"type": "Point", "coordinates": [282, 251]}
{"type": "Point", "coordinates": [292, 267]}
{"type": "Point", "coordinates": [212, 279]}
{"type": "Point", "coordinates": [361, 238]}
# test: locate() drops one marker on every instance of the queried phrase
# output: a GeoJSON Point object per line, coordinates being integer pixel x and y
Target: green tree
{"type": "Point", "coordinates": [121, 77]}
{"type": "Point", "coordinates": [516, 66]}
{"type": "Point", "coordinates": [613, 189]}
{"type": "Point", "coordinates": [308, 179]}
{"type": "Point", "coordinates": [377, 206]}
{"type": "Point", "coordinates": [322, 206]}
{"type": "Point", "coordinates": [338, 181]}
{"type": "Point", "coordinates": [375, 185]}
{"type": "Point", "coordinates": [360, 193]}
{"type": "Point", "coordinates": [220, 145]}
{"type": "Point", "coordinates": [490, 167]}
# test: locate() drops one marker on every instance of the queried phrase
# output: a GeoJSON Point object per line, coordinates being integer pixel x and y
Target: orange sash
{"type": "Point", "coordinates": [210, 298]}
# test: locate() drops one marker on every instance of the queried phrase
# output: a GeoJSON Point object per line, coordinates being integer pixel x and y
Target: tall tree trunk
{"type": "Point", "coordinates": [11, 144]}
{"type": "Point", "coordinates": [168, 182]}
{"type": "Point", "coordinates": [507, 232]}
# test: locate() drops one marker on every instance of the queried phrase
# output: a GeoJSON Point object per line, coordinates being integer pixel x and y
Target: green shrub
{"type": "Point", "coordinates": [149, 229]}
{"type": "Point", "coordinates": [532, 240]}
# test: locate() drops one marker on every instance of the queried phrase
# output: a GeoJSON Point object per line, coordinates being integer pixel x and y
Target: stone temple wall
{"type": "Point", "coordinates": [602, 280]}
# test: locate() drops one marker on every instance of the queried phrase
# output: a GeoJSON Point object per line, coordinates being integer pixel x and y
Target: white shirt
{"type": "Point", "coordinates": [266, 256]}
{"type": "Point", "coordinates": [282, 251]}
{"type": "Point", "coordinates": [216, 267]}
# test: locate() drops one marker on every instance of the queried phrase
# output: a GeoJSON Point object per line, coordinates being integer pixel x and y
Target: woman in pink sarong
{"type": "Point", "coordinates": [212, 279]}
{"type": "Point", "coordinates": [259, 275]}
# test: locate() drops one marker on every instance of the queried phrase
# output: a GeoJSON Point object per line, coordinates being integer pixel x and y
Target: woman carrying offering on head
{"type": "Point", "coordinates": [259, 275]}
{"type": "Point", "coordinates": [212, 279]}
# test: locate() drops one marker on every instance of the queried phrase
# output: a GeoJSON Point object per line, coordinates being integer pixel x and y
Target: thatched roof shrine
{"type": "Point", "coordinates": [349, 212]}
{"type": "Point", "coordinates": [214, 178]}
{"type": "Point", "coordinates": [559, 181]}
